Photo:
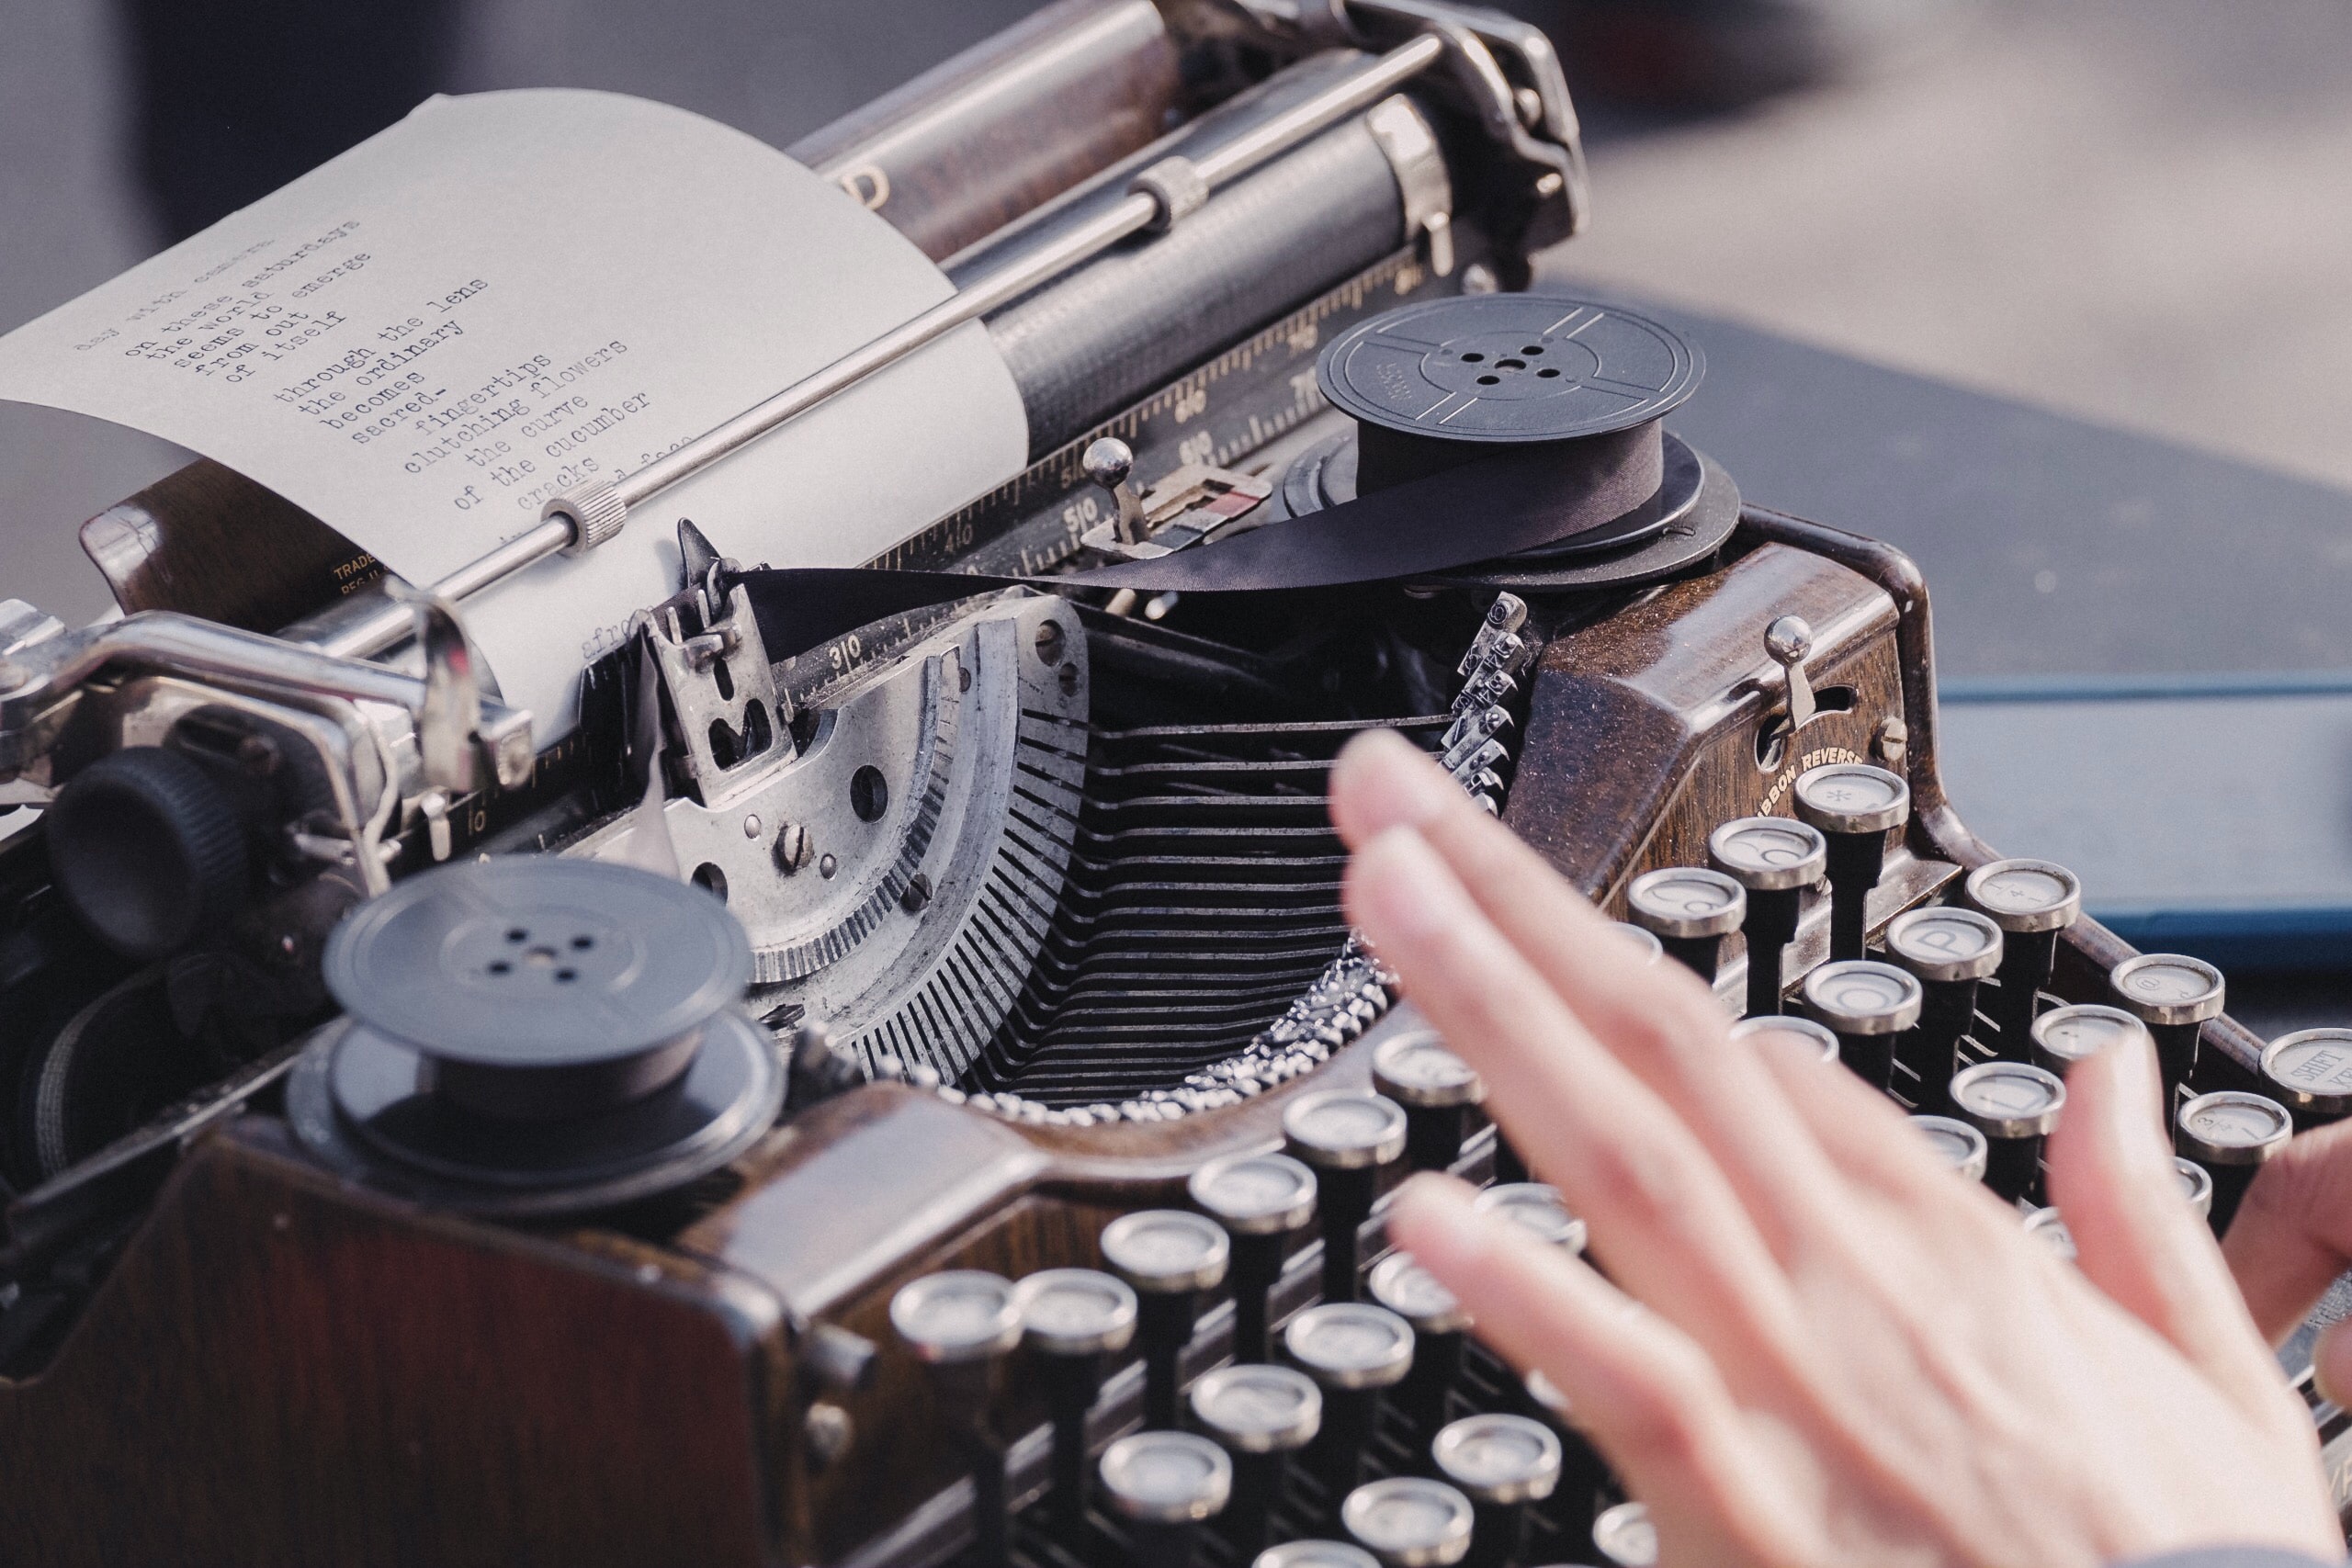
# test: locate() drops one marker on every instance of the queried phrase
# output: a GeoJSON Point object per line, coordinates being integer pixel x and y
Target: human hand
{"type": "Point", "coordinates": [2291, 1239]}
{"type": "Point", "coordinates": [1815, 1343]}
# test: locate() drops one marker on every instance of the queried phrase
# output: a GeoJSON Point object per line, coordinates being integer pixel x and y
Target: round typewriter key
{"type": "Point", "coordinates": [1437, 1090]}
{"type": "Point", "coordinates": [1074, 1321]}
{"type": "Point", "coordinates": [1263, 1200]}
{"type": "Point", "coordinates": [2231, 1135]}
{"type": "Point", "coordinates": [2032, 901]}
{"type": "Point", "coordinates": [1501, 1463]}
{"type": "Point", "coordinates": [1818, 1035]}
{"type": "Point", "coordinates": [2065, 1036]}
{"type": "Point", "coordinates": [1353, 1351]}
{"type": "Point", "coordinates": [1535, 1208]}
{"type": "Point", "coordinates": [1853, 805]}
{"type": "Point", "coordinates": [1775, 861]}
{"type": "Point", "coordinates": [1347, 1136]}
{"type": "Point", "coordinates": [1438, 1320]}
{"type": "Point", "coordinates": [957, 1316]}
{"type": "Point", "coordinates": [2048, 1227]}
{"type": "Point", "coordinates": [1866, 1005]}
{"type": "Point", "coordinates": [2014, 1105]}
{"type": "Point", "coordinates": [2174, 995]}
{"type": "Point", "coordinates": [1948, 949]}
{"type": "Point", "coordinates": [1652, 950]}
{"type": "Point", "coordinates": [1169, 1255]}
{"type": "Point", "coordinates": [1957, 1142]}
{"type": "Point", "coordinates": [1165, 1484]}
{"type": "Point", "coordinates": [1625, 1536]}
{"type": "Point", "coordinates": [961, 1322]}
{"type": "Point", "coordinates": [1315, 1554]}
{"type": "Point", "coordinates": [1690, 910]}
{"type": "Point", "coordinates": [2195, 1186]}
{"type": "Point", "coordinates": [2310, 1072]}
{"type": "Point", "coordinates": [1407, 1522]}
{"type": "Point", "coordinates": [1261, 1416]}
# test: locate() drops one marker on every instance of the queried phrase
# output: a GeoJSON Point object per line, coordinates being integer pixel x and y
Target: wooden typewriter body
{"type": "Point", "coordinates": [256, 1358]}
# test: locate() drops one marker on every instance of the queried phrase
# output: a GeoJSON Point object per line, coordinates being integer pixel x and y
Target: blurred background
{"type": "Point", "coordinates": [2131, 215]}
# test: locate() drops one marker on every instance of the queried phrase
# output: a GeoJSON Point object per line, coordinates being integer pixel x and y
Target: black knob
{"type": "Point", "coordinates": [1074, 1321]}
{"type": "Point", "coordinates": [1962, 1145]}
{"type": "Point", "coordinates": [2309, 1073]}
{"type": "Point", "coordinates": [2014, 1105]}
{"type": "Point", "coordinates": [1950, 951]}
{"type": "Point", "coordinates": [2231, 1135]}
{"type": "Point", "coordinates": [1437, 1090]}
{"type": "Point", "coordinates": [2065, 1036]}
{"type": "Point", "coordinates": [1347, 1135]}
{"type": "Point", "coordinates": [2174, 995]}
{"type": "Point", "coordinates": [148, 850]}
{"type": "Point", "coordinates": [1775, 860]}
{"type": "Point", "coordinates": [1263, 1200]}
{"type": "Point", "coordinates": [1261, 1416]}
{"type": "Point", "coordinates": [1169, 1256]}
{"type": "Point", "coordinates": [1867, 1005]}
{"type": "Point", "coordinates": [1690, 909]}
{"type": "Point", "coordinates": [1165, 1485]}
{"type": "Point", "coordinates": [2032, 901]}
{"type": "Point", "coordinates": [1854, 805]}
{"type": "Point", "coordinates": [1502, 1463]}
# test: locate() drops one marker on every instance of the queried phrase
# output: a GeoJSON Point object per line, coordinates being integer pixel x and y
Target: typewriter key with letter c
{"type": "Point", "coordinates": [1690, 909]}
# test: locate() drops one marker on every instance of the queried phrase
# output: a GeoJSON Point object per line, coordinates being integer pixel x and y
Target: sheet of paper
{"type": "Point", "coordinates": [510, 293]}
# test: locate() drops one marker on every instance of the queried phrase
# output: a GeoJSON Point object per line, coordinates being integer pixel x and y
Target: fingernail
{"type": "Point", "coordinates": [1397, 882]}
{"type": "Point", "coordinates": [2135, 1111]}
{"type": "Point", "coordinates": [1388, 782]}
{"type": "Point", "coordinates": [1432, 1207]}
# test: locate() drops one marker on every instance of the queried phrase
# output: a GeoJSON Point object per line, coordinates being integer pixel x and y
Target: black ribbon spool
{"type": "Point", "coordinates": [1565, 482]}
{"type": "Point", "coordinates": [535, 1035]}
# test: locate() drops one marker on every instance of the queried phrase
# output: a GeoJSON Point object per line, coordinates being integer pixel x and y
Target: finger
{"type": "Point", "coordinates": [1646, 1394]}
{"type": "Point", "coordinates": [1657, 1018]}
{"type": "Point", "coordinates": [1660, 1211]}
{"type": "Point", "coordinates": [2111, 1173]}
{"type": "Point", "coordinates": [2292, 1235]}
{"type": "Point", "coordinates": [2332, 1361]}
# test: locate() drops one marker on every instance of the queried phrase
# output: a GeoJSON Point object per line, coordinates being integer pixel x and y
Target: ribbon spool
{"type": "Point", "coordinates": [532, 1036]}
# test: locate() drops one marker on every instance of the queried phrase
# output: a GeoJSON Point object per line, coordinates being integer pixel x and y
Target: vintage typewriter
{"type": "Point", "coordinates": [974, 1152]}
